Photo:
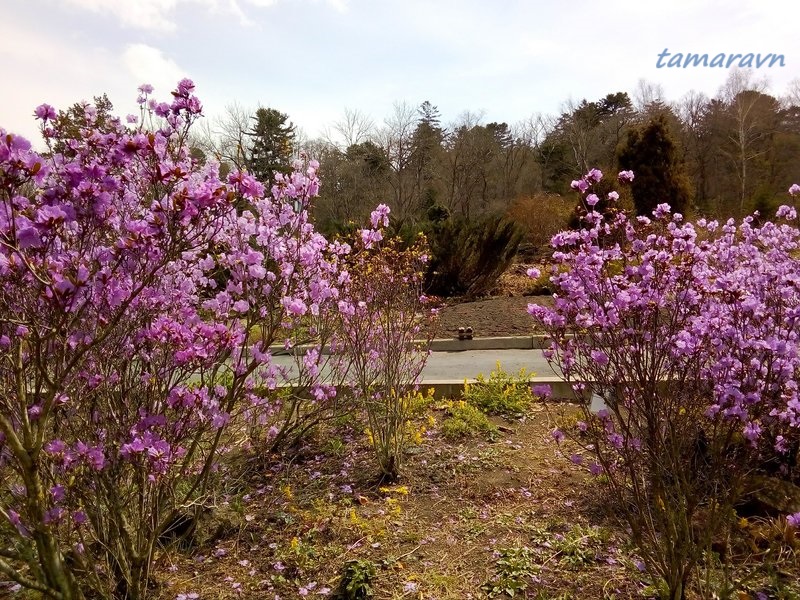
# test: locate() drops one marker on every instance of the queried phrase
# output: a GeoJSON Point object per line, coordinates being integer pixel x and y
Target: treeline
{"type": "Point", "coordinates": [722, 156]}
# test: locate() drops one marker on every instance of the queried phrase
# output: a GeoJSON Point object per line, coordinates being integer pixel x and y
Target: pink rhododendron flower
{"type": "Point", "coordinates": [625, 176]}
{"type": "Point", "coordinates": [380, 216]}
{"type": "Point", "coordinates": [142, 260]}
{"type": "Point", "coordinates": [45, 112]}
{"type": "Point", "coordinates": [594, 175]}
{"type": "Point", "coordinates": [580, 185]}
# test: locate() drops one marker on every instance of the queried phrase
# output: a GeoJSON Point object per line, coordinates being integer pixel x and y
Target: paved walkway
{"type": "Point", "coordinates": [446, 371]}
{"type": "Point", "coordinates": [468, 364]}
{"type": "Point", "coordinates": [471, 363]}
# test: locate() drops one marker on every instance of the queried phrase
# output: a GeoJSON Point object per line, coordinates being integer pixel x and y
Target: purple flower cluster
{"type": "Point", "coordinates": [592, 200]}
{"type": "Point", "coordinates": [712, 304]}
{"type": "Point", "coordinates": [138, 309]}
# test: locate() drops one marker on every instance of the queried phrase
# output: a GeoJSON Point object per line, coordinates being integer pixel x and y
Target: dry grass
{"type": "Point", "coordinates": [440, 534]}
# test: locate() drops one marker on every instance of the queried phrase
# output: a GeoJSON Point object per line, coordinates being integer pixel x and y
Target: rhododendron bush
{"type": "Point", "coordinates": [385, 336]}
{"type": "Point", "coordinates": [137, 307]}
{"type": "Point", "coordinates": [689, 333]}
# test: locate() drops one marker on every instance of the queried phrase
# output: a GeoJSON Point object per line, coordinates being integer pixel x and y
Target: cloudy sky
{"type": "Point", "coordinates": [313, 58]}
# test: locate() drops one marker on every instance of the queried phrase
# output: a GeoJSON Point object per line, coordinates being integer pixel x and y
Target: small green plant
{"type": "Point", "coordinates": [356, 581]}
{"type": "Point", "coordinates": [574, 548]}
{"type": "Point", "coordinates": [514, 569]}
{"type": "Point", "coordinates": [334, 446]}
{"type": "Point", "coordinates": [501, 393]}
{"type": "Point", "coordinates": [579, 546]}
{"type": "Point", "coordinates": [464, 420]}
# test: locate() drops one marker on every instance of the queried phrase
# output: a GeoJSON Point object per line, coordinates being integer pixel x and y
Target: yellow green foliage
{"type": "Point", "coordinates": [464, 421]}
{"type": "Point", "coordinates": [501, 393]}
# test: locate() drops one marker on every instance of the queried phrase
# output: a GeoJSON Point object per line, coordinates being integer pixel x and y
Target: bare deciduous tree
{"type": "Point", "coordinates": [744, 95]}
{"type": "Point", "coordinates": [646, 95]}
{"type": "Point", "coordinates": [227, 136]}
{"type": "Point", "coordinates": [396, 138]}
{"type": "Point", "coordinates": [354, 127]}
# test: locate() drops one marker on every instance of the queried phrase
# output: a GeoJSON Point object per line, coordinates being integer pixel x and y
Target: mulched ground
{"type": "Point", "coordinates": [490, 317]}
{"type": "Point", "coordinates": [468, 520]}
{"type": "Point", "coordinates": [290, 531]}
{"type": "Point", "coordinates": [504, 313]}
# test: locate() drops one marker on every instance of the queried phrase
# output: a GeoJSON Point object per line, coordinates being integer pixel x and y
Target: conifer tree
{"type": "Point", "coordinates": [651, 153]}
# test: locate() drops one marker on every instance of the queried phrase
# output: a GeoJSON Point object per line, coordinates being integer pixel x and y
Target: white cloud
{"type": "Point", "coordinates": [460, 54]}
{"type": "Point", "coordinates": [339, 5]}
{"type": "Point", "coordinates": [160, 15]}
{"type": "Point", "coordinates": [149, 65]}
{"type": "Point", "coordinates": [79, 73]}
{"type": "Point", "coordinates": [43, 68]}
{"type": "Point", "coordinates": [261, 3]}
{"type": "Point", "coordinates": [141, 14]}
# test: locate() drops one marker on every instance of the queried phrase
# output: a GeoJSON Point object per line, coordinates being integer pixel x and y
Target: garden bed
{"type": "Point", "coordinates": [490, 317]}
{"type": "Point", "coordinates": [469, 519]}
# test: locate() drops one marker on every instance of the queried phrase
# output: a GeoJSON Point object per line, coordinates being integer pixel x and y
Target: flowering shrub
{"type": "Point", "coordinates": [380, 324]}
{"type": "Point", "coordinates": [689, 333]}
{"type": "Point", "coordinates": [136, 312]}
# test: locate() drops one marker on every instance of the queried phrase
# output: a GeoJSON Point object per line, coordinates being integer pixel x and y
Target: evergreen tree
{"type": "Point", "coordinates": [427, 141]}
{"type": "Point", "coordinates": [272, 144]}
{"type": "Point", "coordinates": [651, 153]}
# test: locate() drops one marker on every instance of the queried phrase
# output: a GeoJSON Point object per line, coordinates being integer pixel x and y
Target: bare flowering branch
{"type": "Point", "coordinates": [689, 334]}
{"type": "Point", "coordinates": [137, 311]}
{"type": "Point", "coordinates": [385, 335]}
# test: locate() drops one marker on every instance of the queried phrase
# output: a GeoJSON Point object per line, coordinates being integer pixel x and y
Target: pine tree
{"type": "Point", "coordinates": [271, 150]}
{"type": "Point", "coordinates": [428, 137]}
{"type": "Point", "coordinates": [651, 153]}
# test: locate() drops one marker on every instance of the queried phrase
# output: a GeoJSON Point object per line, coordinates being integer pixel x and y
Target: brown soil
{"type": "Point", "coordinates": [490, 317]}
{"type": "Point", "coordinates": [467, 520]}
{"type": "Point", "coordinates": [439, 533]}
{"type": "Point", "coordinates": [504, 313]}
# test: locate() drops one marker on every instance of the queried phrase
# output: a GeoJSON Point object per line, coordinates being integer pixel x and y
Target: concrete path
{"type": "Point", "coordinates": [468, 364]}
{"type": "Point", "coordinates": [471, 363]}
{"type": "Point", "coordinates": [445, 372]}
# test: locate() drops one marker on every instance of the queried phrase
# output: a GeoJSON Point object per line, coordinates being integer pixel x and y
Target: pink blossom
{"type": "Point", "coordinates": [380, 216]}
{"type": "Point", "coordinates": [599, 357]}
{"type": "Point", "coordinates": [580, 185]}
{"type": "Point", "coordinates": [594, 175]}
{"type": "Point", "coordinates": [45, 112]}
{"type": "Point", "coordinates": [370, 237]}
{"type": "Point", "coordinates": [295, 306]}
{"type": "Point", "coordinates": [141, 259]}
{"type": "Point", "coordinates": [625, 176]}
{"type": "Point", "coordinates": [786, 212]}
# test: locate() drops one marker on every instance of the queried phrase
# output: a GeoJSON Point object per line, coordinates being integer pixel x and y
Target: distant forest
{"type": "Point", "coordinates": [731, 154]}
